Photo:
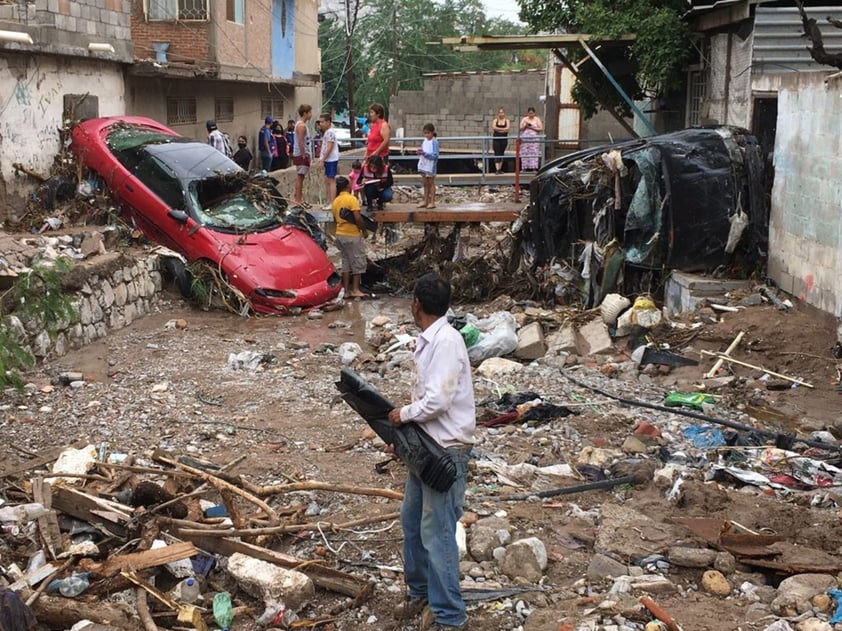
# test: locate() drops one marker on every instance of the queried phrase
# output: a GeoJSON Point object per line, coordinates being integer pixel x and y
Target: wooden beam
{"type": "Point", "coordinates": [142, 560]}
{"type": "Point", "coordinates": [47, 524]}
{"type": "Point", "coordinates": [444, 215]}
{"type": "Point", "coordinates": [523, 42]}
{"type": "Point", "coordinates": [104, 514]}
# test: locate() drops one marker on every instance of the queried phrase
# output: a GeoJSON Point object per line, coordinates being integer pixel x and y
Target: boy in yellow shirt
{"type": "Point", "coordinates": [349, 237]}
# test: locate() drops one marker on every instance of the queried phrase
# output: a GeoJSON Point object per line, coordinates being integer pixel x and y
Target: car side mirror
{"type": "Point", "coordinates": [179, 215]}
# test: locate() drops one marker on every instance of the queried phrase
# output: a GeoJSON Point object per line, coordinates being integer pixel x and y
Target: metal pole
{"type": "Point", "coordinates": [649, 127]}
{"type": "Point", "coordinates": [349, 69]}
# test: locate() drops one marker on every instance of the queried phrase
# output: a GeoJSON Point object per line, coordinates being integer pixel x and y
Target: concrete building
{"type": "Point", "coordinates": [755, 71]}
{"type": "Point", "coordinates": [181, 62]}
{"type": "Point", "coordinates": [234, 62]}
{"type": "Point", "coordinates": [58, 60]}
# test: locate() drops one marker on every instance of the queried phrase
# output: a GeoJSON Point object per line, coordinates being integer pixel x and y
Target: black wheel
{"type": "Point", "coordinates": [176, 270]}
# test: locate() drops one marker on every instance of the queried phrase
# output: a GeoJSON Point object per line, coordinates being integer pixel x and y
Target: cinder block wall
{"type": "Point", "coordinates": [806, 223]}
{"type": "Point", "coordinates": [462, 104]}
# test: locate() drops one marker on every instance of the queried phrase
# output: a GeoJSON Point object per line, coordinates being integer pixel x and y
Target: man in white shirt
{"type": "Point", "coordinates": [443, 406]}
{"type": "Point", "coordinates": [329, 157]}
{"type": "Point", "coordinates": [217, 140]}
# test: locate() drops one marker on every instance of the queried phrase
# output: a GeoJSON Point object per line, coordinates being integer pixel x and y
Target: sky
{"type": "Point", "coordinates": [507, 9]}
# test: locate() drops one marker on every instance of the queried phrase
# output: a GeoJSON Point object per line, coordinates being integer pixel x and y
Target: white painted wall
{"type": "Point", "coordinates": [32, 89]}
{"type": "Point", "coordinates": [805, 232]}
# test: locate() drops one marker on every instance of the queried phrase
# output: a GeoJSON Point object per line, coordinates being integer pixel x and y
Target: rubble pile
{"type": "Point", "coordinates": [610, 488]}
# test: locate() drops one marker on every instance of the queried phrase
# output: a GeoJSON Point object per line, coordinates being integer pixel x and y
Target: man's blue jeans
{"type": "Point", "coordinates": [266, 161]}
{"type": "Point", "coordinates": [430, 553]}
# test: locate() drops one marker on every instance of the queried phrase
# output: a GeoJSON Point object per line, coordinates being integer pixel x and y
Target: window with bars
{"type": "Point", "coordinates": [696, 93]}
{"type": "Point", "coordinates": [223, 110]}
{"type": "Point", "coordinates": [171, 10]}
{"type": "Point", "coordinates": [235, 10]}
{"type": "Point", "coordinates": [181, 110]}
{"type": "Point", "coordinates": [273, 108]}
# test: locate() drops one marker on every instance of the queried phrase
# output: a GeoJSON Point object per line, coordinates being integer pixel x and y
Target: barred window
{"type": "Point", "coordinates": [273, 108]}
{"type": "Point", "coordinates": [181, 110]}
{"type": "Point", "coordinates": [171, 10]}
{"type": "Point", "coordinates": [223, 110]}
{"type": "Point", "coordinates": [696, 93]}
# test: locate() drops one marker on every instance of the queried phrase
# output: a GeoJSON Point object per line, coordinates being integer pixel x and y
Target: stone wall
{"type": "Point", "coordinates": [109, 292]}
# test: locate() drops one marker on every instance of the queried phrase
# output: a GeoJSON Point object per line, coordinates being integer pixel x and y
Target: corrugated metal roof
{"type": "Point", "coordinates": [780, 44]}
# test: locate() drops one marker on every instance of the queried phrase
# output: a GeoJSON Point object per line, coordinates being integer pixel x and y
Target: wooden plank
{"type": "Point", "coordinates": [325, 577]}
{"type": "Point", "coordinates": [445, 215]}
{"type": "Point", "coordinates": [47, 457]}
{"type": "Point", "coordinates": [143, 560]}
{"type": "Point", "coordinates": [47, 524]}
{"type": "Point", "coordinates": [105, 514]}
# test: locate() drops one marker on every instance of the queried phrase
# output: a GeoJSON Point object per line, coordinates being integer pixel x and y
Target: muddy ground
{"type": "Point", "coordinates": [149, 386]}
{"type": "Point", "coordinates": [154, 385]}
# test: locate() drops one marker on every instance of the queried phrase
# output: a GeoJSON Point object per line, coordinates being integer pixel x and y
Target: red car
{"type": "Point", "coordinates": [189, 197]}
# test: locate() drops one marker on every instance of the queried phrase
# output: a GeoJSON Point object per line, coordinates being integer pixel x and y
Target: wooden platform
{"type": "Point", "coordinates": [445, 213]}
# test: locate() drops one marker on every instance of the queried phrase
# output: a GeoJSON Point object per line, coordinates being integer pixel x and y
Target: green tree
{"type": "Point", "coordinates": [392, 47]}
{"type": "Point", "coordinates": [653, 64]}
{"type": "Point", "coordinates": [36, 299]}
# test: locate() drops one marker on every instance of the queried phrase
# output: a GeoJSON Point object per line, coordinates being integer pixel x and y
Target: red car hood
{"type": "Point", "coordinates": [284, 258]}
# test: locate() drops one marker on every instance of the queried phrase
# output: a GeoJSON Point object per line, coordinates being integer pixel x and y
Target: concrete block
{"type": "Point", "coordinates": [594, 339]}
{"type": "Point", "coordinates": [563, 340]}
{"type": "Point", "coordinates": [266, 581]}
{"type": "Point", "coordinates": [530, 342]}
{"type": "Point", "coordinates": [684, 290]}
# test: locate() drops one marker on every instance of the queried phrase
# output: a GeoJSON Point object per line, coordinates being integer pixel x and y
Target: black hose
{"type": "Point", "coordinates": [565, 490]}
{"type": "Point", "coordinates": [779, 437]}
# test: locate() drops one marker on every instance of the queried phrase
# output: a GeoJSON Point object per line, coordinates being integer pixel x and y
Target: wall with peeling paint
{"type": "Point", "coordinates": [32, 90]}
{"type": "Point", "coordinates": [805, 232]}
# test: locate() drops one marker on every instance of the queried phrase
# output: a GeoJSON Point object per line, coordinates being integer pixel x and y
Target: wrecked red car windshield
{"type": "Point", "coordinates": [193, 176]}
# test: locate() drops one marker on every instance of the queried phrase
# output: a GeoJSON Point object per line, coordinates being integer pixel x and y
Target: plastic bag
{"type": "Point", "coordinates": [497, 336]}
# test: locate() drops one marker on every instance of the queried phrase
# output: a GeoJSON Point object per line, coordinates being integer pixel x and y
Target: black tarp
{"type": "Point", "coordinates": [421, 454]}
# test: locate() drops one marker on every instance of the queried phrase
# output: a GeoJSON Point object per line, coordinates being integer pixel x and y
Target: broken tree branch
{"type": "Point", "coordinates": [276, 489]}
{"type": "Point", "coordinates": [142, 605]}
{"type": "Point", "coordinates": [220, 484]}
{"type": "Point", "coordinates": [274, 530]}
{"type": "Point", "coordinates": [322, 576]}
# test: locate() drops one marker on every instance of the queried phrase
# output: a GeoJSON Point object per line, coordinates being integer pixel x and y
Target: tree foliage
{"type": "Point", "coordinates": [37, 300]}
{"type": "Point", "coordinates": [655, 61]}
{"type": "Point", "coordinates": [393, 49]}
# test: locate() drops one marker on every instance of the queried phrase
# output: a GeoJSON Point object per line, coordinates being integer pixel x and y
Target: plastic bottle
{"type": "Point", "coordinates": [71, 586]}
{"type": "Point", "coordinates": [223, 611]}
{"type": "Point", "coordinates": [187, 591]}
{"type": "Point", "coordinates": [22, 513]}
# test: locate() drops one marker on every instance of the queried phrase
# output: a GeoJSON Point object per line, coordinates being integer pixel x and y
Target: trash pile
{"type": "Point", "coordinates": [141, 544]}
{"type": "Point", "coordinates": [679, 443]}
{"type": "Point", "coordinates": [619, 478]}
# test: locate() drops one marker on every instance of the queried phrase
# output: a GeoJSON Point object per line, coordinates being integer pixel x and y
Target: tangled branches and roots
{"type": "Point", "coordinates": [210, 289]}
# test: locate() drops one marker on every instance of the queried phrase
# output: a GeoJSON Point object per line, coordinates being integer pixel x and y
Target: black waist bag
{"type": "Point", "coordinates": [421, 454]}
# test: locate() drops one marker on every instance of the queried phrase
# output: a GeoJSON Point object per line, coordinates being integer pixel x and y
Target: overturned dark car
{"type": "Point", "coordinates": [614, 217]}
